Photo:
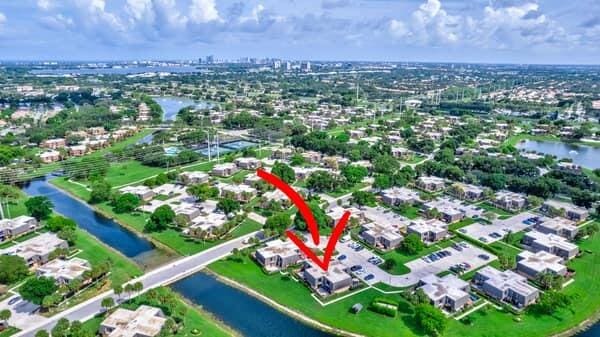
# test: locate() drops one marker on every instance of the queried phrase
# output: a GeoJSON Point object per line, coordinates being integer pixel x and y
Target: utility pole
{"type": "Point", "coordinates": [209, 148]}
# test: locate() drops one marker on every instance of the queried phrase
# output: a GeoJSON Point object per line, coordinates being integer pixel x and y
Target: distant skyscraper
{"type": "Point", "coordinates": [307, 66]}
{"type": "Point", "coordinates": [210, 59]}
{"type": "Point", "coordinates": [276, 64]}
{"type": "Point", "coordinates": [288, 66]}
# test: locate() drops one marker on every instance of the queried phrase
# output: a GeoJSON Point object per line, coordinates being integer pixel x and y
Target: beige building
{"type": "Point", "coordinates": [64, 271]}
{"type": "Point", "coordinates": [146, 321]}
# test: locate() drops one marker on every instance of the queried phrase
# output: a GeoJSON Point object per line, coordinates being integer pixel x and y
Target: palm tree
{"type": "Point", "coordinates": [118, 290]}
{"type": "Point", "coordinates": [107, 303]}
{"type": "Point", "coordinates": [5, 315]}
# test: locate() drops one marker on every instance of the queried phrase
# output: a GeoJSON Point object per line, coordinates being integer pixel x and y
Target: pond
{"type": "Point", "coordinates": [583, 155]}
{"type": "Point", "coordinates": [171, 105]}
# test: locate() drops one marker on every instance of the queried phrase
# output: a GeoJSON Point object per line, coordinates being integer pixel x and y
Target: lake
{"type": "Point", "coordinates": [583, 155]}
{"type": "Point", "coordinates": [171, 105]}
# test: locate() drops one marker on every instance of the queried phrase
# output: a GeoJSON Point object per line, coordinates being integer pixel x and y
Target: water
{"type": "Point", "coordinates": [106, 230]}
{"type": "Point", "coordinates": [594, 331]}
{"type": "Point", "coordinates": [116, 71]}
{"type": "Point", "coordinates": [224, 148]}
{"type": "Point", "coordinates": [171, 105]}
{"type": "Point", "coordinates": [586, 156]}
{"type": "Point", "coordinates": [242, 312]}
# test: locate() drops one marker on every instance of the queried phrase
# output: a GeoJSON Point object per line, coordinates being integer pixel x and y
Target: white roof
{"type": "Point", "coordinates": [448, 286]}
{"type": "Point", "coordinates": [541, 261]}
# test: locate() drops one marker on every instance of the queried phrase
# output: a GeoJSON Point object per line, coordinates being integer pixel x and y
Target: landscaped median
{"type": "Point", "coordinates": [487, 321]}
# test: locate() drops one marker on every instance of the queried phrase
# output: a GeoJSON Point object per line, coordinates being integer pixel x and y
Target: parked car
{"type": "Point", "coordinates": [484, 257]}
{"type": "Point", "coordinates": [369, 277]}
{"type": "Point", "coordinates": [356, 267]}
{"type": "Point", "coordinates": [341, 257]}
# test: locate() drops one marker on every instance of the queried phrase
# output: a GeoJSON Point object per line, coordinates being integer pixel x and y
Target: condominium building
{"type": "Point", "coordinates": [277, 255]}
{"type": "Point", "coordinates": [384, 236]}
{"type": "Point", "coordinates": [64, 271]}
{"type": "Point", "coordinates": [224, 170]}
{"type": "Point", "coordinates": [551, 243]}
{"type": "Point", "coordinates": [36, 251]}
{"type": "Point", "coordinates": [448, 292]}
{"type": "Point", "coordinates": [10, 228]}
{"type": "Point", "coordinates": [431, 184]}
{"type": "Point", "coordinates": [329, 282]}
{"type": "Point", "coordinates": [430, 231]}
{"type": "Point", "coordinates": [506, 286]}
{"type": "Point", "coordinates": [570, 211]}
{"type": "Point", "coordinates": [510, 201]}
{"type": "Point", "coordinates": [559, 226]}
{"type": "Point", "coordinates": [531, 265]}
{"type": "Point", "coordinates": [397, 196]}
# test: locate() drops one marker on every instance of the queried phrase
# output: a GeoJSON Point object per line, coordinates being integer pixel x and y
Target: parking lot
{"type": "Point", "coordinates": [458, 254]}
{"type": "Point", "coordinates": [488, 233]}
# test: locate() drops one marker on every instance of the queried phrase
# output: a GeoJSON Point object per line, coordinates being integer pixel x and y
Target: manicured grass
{"type": "Point", "coordinates": [345, 191]}
{"type": "Point", "coordinates": [410, 212]}
{"type": "Point", "coordinates": [130, 171]}
{"type": "Point", "coordinates": [401, 257]}
{"type": "Point", "coordinates": [463, 223]}
{"type": "Point", "coordinates": [501, 248]}
{"type": "Point", "coordinates": [486, 323]}
{"type": "Point", "coordinates": [491, 208]}
{"type": "Point", "coordinates": [9, 332]}
{"type": "Point", "coordinates": [514, 140]}
{"type": "Point", "coordinates": [92, 250]}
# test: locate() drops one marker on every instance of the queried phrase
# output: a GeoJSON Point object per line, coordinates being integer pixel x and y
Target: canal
{"type": "Point", "coordinates": [235, 308]}
{"type": "Point", "coordinates": [583, 155]}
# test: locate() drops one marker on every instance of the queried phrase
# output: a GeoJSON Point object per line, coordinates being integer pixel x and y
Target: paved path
{"type": "Point", "coordinates": [164, 275]}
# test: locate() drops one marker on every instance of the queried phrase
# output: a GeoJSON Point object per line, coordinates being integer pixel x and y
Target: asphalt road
{"type": "Point", "coordinates": [161, 276]}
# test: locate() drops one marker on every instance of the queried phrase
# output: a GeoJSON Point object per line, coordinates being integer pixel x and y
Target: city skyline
{"type": "Point", "coordinates": [543, 32]}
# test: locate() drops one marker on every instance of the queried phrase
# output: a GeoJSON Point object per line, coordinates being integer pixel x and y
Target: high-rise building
{"type": "Point", "coordinates": [288, 66]}
{"type": "Point", "coordinates": [210, 59]}
{"type": "Point", "coordinates": [306, 66]}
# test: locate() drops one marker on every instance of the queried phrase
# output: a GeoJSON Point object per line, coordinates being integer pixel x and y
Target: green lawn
{"type": "Point", "coordinates": [410, 212]}
{"type": "Point", "coordinates": [9, 332]}
{"type": "Point", "coordinates": [491, 208]}
{"type": "Point", "coordinates": [92, 250]}
{"type": "Point", "coordinates": [130, 171]}
{"type": "Point", "coordinates": [514, 140]}
{"type": "Point", "coordinates": [463, 223]}
{"type": "Point", "coordinates": [486, 323]}
{"type": "Point", "coordinates": [345, 191]}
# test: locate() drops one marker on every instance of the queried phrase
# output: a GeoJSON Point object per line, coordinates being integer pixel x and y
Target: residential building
{"type": "Point", "coordinates": [146, 321]}
{"type": "Point", "coordinates": [50, 156]}
{"type": "Point", "coordinates": [447, 209]}
{"type": "Point", "coordinates": [248, 163]}
{"type": "Point", "coordinates": [559, 226]}
{"type": "Point", "coordinates": [54, 144]}
{"type": "Point", "coordinates": [430, 231]}
{"type": "Point", "coordinates": [64, 271]}
{"type": "Point", "coordinates": [448, 292]}
{"type": "Point", "coordinates": [193, 178]}
{"type": "Point", "coordinates": [77, 150]}
{"type": "Point", "coordinates": [467, 191]}
{"type": "Point", "coordinates": [282, 153]}
{"type": "Point", "coordinates": [401, 153]}
{"type": "Point", "coordinates": [142, 192]}
{"type": "Point", "coordinates": [383, 236]}
{"type": "Point", "coordinates": [36, 251]}
{"type": "Point", "coordinates": [431, 184]}
{"type": "Point", "coordinates": [242, 193]}
{"type": "Point", "coordinates": [510, 201]}
{"type": "Point", "coordinates": [397, 196]}
{"type": "Point", "coordinates": [506, 286]}
{"type": "Point", "coordinates": [551, 243]}
{"type": "Point", "coordinates": [531, 265]}
{"type": "Point", "coordinates": [143, 113]}
{"type": "Point", "coordinates": [572, 212]}
{"type": "Point", "coordinates": [224, 170]}
{"type": "Point", "coordinates": [278, 255]}
{"type": "Point", "coordinates": [10, 228]}
{"type": "Point", "coordinates": [332, 281]}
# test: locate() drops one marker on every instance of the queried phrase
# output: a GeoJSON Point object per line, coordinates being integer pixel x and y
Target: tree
{"type": "Point", "coordinates": [228, 206]}
{"type": "Point", "coordinates": [162, 217]}
{"type": "Point", "coordinates": [323, 181]}
{"type": "Point", "coordinates": [430, 319]}
{"type": "Point", "coordinates": [107, 303]}
{"type": "Point", "coordinates": [101, 191]}
{"type": "Point", "coordinates": [278, 222]}
{"type": "Point", "coordinates": [354, 174]}
{"type": "Point", "coordinates": [389, 264]}
{"type": "Point", "coordinates": [138, 286]}
{"type": "Point", "coordinates": [34, 290]}
{"type": "Point", "coordinates": [61, 329]}
{"type": "Point", "coordinates": [506, 261]}
{"type": "Point", "coordinates": [69, 235]}
{"type": "Point", "coordinates": [39, 207]}
{"type": "Point", "coordinates": [118, 290]}
{"type": "Point", "coordinates": [203, 192]}
{"type": "Point", "coordinates": [12, 269]}
{"type": "Point", "coordinates": [58, 223]}
{"type": "Point", "coordinates": [5, 315]}
{"type": "Point", "coordinates": [284, 172]}
{"type": "Point", "coordinates": [364, 198]}
{"type": "Point", "coordinates": [42, 333]}
{"type": "Point", "coordinates": [550, 281]}
{"type": "Point", "coordinates": [382, 182]}
{"type": "Point", "coordinates": [385, 164]}
{"type": "Point", "coordinates": [320, 217]}
{"type": "Point", "coordinates": [126, 203]}
{"type": "Point", "coordinates": [412, 244]}
{"type": "Point", "coordinates": [550, 302]}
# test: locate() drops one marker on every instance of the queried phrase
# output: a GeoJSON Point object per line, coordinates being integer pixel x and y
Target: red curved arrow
{"type": "Point", "coordinates": [305, 211]}
{"type": "Point", "coordinates": [310, 222]}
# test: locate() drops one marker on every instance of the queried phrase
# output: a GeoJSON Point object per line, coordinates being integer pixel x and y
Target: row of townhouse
{"type": "Point", "coordinates": [228, 169]}
{"type": "Point", "coordinates": [506, 286]}
{"type": "Point", "coordinates": [145, 321]}
{"type": "Point", "coordinates": [335, 280]}
{"type": "Point", "coordinates": [554, 244]}
{"type": "Point", "coordinates": [383, 236]}
{"type": "Point", "coordinates": [449, 292]}
{"type": "Point", "coordinates": [568, 210]}
{"type": "Point", "coordinates": [430, 231]}
{"type": "Point", "coordinates": [37, 250]}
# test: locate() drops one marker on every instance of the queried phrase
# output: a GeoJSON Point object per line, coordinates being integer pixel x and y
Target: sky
{"type": "Point", "coordinates": [486, 31]}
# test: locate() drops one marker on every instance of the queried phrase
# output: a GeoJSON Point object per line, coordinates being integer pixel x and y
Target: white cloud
{"type": "Point", "coordinates": [2, 18]}
{"type": "Point", "coordinates": [44, 4]}
{"type": "Point", "coordinates": [500, 27]}
{"type": "Point", "coordinates": [204, 11]}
